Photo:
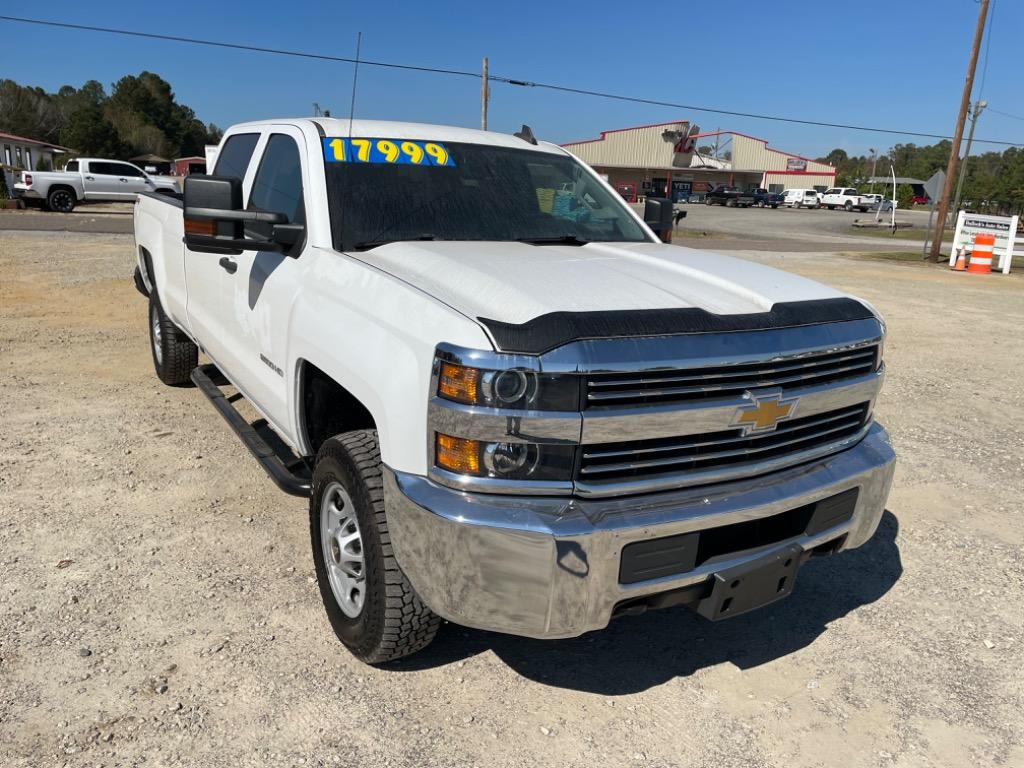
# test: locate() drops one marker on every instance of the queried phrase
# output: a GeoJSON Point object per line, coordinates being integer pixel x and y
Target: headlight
{"type": "Point", "coordinates": [515, 388]}
{"type": "Point", "coordinates": [881, 322]}
{"type": "Point", "coordinates": [503, 460]}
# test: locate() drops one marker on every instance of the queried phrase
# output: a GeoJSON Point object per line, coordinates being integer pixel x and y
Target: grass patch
{"type": "Point", "coordinates": [901, 234]}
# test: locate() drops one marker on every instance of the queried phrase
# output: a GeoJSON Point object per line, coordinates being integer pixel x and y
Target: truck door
{"type": "Point", "coordinates": [100, 181]}
{"type": "Point", "coordinates": [131, 179]}
{"type": "Point", "coordinates": [208, 285]}
{"type": "Point", "coordinates": [262, 288]}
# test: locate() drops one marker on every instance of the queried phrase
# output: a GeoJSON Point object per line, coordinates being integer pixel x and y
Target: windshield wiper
{"type": "Point", "coordinates": [558, 240]}
{"type": "Point", "coordinates": [366, 245]}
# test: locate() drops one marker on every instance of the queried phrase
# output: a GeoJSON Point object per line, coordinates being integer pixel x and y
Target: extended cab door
{"type": "Point", "coordinates": [207, 282]}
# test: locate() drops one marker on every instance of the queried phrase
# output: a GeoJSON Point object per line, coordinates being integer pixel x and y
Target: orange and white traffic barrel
{"type": "Point", "coordinates": [981, 256]}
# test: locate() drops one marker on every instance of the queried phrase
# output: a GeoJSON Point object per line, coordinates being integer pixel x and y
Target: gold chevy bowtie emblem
{"type": "Point", "coordinates": [764, 414]}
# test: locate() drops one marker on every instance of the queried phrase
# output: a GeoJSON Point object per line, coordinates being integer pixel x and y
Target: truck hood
{"type": "Point", "coordinates": [517, 282]}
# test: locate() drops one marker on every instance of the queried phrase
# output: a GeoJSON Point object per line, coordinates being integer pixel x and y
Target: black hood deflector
{"type": "Point", "coordinates": [554, 329]}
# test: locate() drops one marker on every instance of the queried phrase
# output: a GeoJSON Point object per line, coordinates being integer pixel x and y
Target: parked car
{"type": "Point", "coordinates": [765, 199]}
{"type": "Point", "coordinates": [920, 200]}
{"type": "Point", "coordinates": [89, 179]}
{"type": "Point", "coordinates": [801, 198]}
{"type": "Point", "coordinates": [509, 407]}
{"type": "Point", "coordinates": [696, 197]}
{"type": "Point", "coordinates": [876, 202]}
{"type": "Point", "coordinates": [730, 197]}
{"type": "Point", "coordinates": [847, 198]}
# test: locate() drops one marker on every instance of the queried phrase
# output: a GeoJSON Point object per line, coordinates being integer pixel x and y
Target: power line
{"type": "Point", "coordinates": [492, 78]}
{"type": "Point", "coordinates": [1005, 114]}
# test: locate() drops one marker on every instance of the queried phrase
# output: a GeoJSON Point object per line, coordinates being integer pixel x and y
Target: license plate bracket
{"type": "Point", "coordinates": [752, 585]}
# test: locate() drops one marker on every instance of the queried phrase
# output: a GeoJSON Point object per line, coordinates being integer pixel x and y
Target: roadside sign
{"type": "Point", "coordinates": [933, 187]}
{"type": "Point", "coordinates": [1003, 227]}
{"type": "Point", "coordinates": [796, 164]}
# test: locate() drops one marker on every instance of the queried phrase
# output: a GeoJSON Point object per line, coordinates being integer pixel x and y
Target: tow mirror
{"type": "Point", "coordinates": [658, 216]}
{"type": "Point", "coordinates": [215, 220]}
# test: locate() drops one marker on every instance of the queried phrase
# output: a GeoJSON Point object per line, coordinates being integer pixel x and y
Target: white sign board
{"type": "Point", "coordinates": [1003, 227]}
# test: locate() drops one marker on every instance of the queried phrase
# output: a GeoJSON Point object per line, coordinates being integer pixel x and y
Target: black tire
{"type": "Point", "coordinates": [174, 354]}
{"type": "Point", "coordinates": [392, 621]}
{"type": "Point", "coordinates": [707, 201]}
{"type": "Point", "coordinates": [61, 200]}
{"type": "Point", "coordinates": [730, 203]}
{"type": "Point", "coordinates": [848, 206]}
{"type": "Point", "coordinates": [774, 207]}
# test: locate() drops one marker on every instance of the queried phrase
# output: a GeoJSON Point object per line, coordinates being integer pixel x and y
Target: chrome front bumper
{"type": "Point", "coordinates": [548, 567]}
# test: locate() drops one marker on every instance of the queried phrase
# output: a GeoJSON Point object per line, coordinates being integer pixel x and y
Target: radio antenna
{"type": "Point", "coordinates": [355, 80]}
{"type": "Point", "coordinates": [351, 115]}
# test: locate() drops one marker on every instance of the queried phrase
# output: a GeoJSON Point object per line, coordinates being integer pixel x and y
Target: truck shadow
{"type": "Point", "coordinates": [639, 652]}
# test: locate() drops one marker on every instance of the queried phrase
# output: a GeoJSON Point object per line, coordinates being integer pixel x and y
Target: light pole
{"type": "Point", "coordinates": [874, 166]}
{"type": "Point", "coordinates": [975, 113]}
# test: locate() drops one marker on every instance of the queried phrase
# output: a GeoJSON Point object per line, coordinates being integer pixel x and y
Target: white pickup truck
{"type": "Point", "coordinates": [90, 180]}
{"type": "Point", "coordinates": [846, 198]}
{"type": "Point", "coordinates": [509, 403]}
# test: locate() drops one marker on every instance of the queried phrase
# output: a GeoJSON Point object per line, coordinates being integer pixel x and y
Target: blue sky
{"type": "Point", "coordinates": [837, 62]}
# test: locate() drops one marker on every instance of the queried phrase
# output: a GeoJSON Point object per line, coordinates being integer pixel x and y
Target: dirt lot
{"type": "Point", "coordinates": [157, 606]}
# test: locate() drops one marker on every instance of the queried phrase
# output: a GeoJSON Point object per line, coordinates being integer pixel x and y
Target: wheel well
{"type": "Point", "coordinates": [54, 187]}
{"type": "Point", "coordinates": [328, 408]}
{"type": "Point", "coordinates": [147, 269]}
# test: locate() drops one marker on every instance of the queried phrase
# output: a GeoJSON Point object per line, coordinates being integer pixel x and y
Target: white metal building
{"type": "Point", "coordinates": [648, 160]}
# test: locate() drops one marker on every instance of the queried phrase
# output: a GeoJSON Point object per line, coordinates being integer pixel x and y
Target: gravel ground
{"type": "Point", "coordinates": [157, 606]}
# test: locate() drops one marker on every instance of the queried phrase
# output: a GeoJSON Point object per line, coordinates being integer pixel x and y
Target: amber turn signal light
{"type": "Point", "coordinates": [458, 383]}
{"type": "Point", "coordinates": [457, 454]}
{"type": "Point", "coordinates": [206, 227]}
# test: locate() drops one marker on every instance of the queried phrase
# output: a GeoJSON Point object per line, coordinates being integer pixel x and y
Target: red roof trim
{"type": "Point", "coordinates": [618, 130]}
{"type": "Point", "coordinates": [754, 138]}
{"type": "Point", "coordinates": [26, 140]}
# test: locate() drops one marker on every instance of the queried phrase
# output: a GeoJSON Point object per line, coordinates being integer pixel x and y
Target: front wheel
{"type": "Point", "coordinates": [848, 206]}
{"type": "Point", "coordinates": [372, 607]}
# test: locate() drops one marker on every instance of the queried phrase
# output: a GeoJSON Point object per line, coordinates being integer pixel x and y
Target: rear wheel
{"type": "Point", "coordinates": [174, 354]}
{"type": "Point", "coordinates": [61, 200]}
{"type": "Point", "coordinates": [372, 607]}
{"type": "Point", "coordinates": [848, 206]}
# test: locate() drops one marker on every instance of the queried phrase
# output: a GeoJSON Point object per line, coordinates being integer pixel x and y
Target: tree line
{"type": "Point", "coordinates": [994, 179]}
{"type": "Point", "coordinates": [139, 116]}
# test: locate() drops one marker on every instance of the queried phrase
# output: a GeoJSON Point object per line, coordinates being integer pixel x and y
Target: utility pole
{"type": "Point", "coordinates": [975, 114]}
{"type": "Point", "coordinates": [874, 167]}
{"type": "Point", "coordinates": [954, 153]}
{"type": "Point", "coordinates": [485, 95]}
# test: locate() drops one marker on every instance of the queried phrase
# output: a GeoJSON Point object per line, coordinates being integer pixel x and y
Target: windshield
{"type": "Point", "coordinates": [481, 192]}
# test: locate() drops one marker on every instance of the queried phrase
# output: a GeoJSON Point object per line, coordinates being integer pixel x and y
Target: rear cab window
{"type": "Point", "coordinates": [72, 166]}
{"type": "Point", "coordinates": [234, 157]}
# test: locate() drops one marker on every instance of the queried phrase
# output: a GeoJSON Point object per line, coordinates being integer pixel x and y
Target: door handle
{"type": "Point", "coordinates": [89, 178]}
{"type": "Point", "coordinates": [123, 179]}
{"type": "Point", "coordinates": [228, 265]}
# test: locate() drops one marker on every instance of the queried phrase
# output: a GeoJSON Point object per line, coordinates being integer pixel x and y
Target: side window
{"type": "Point", "coordinates": [105, 169]}
{"type": "Point", "coordinates": [234, 157]}
{"type": "Point", "coordinates": [123, 169]}
{"type": "Point", "coordinates": [72, 166]}
{"type": "Point", "coordinates": [278, 184]}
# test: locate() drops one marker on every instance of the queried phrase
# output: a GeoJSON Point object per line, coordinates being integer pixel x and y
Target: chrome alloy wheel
{"type": "Point", "coordinates": [343, 549]}
{"type": "Point", "coordinates": [154, 323]}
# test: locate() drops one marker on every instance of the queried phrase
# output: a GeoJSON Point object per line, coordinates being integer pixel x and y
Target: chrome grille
{"type": "Point", "coordinates": [683, 385]}
{"type": "Point", "coordinates": [642, 459]}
